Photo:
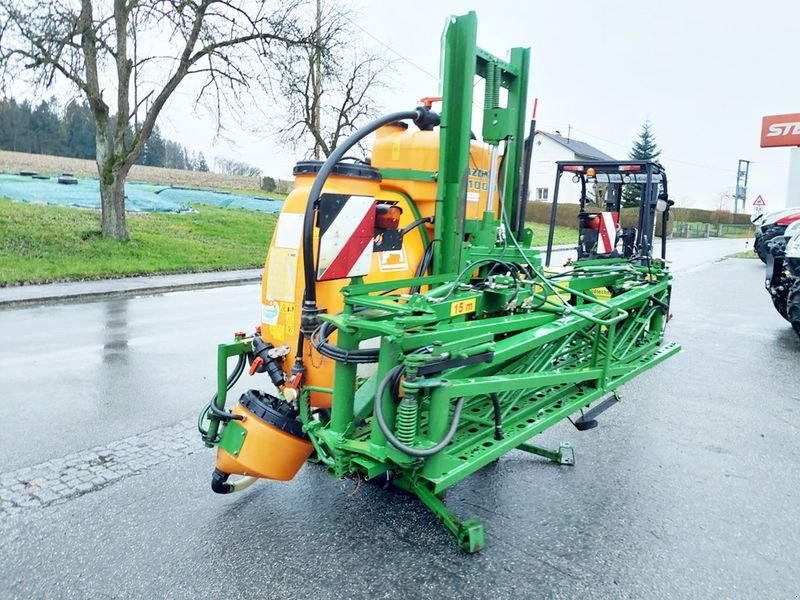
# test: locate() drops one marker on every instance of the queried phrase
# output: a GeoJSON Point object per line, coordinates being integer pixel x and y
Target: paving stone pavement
{"type": "Point", "coordinates": [79, 473]}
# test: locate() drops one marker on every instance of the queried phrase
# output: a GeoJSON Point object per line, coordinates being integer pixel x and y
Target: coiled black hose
{"type": "Point", "coordinates": [393, 376]}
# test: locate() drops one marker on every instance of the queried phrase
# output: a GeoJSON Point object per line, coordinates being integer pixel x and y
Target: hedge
{"type": "Point", "coordinates": [567, 216]}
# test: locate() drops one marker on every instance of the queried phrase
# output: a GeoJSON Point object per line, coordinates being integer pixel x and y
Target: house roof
{"type": "Point", "coordinates": [582, 150]}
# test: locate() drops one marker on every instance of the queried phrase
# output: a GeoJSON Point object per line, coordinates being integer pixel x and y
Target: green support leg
{"type": "Point", "coordinates": [469, 533]}
{"type": "Point", "coordinates": [565, 455]}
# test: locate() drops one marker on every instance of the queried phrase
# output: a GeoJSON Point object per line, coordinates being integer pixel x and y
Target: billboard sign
{"type": "Point", "coordinates": [780, 130]}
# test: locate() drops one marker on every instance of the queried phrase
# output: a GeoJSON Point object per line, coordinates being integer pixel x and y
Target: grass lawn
{"type": "Point", "coordinates": [40, 243]}
{"type": "Point", "coordinates": [48, 243]}
{"type": "Point", "coordinates": [561, 235]}
{"type": "Point", "coordinates": [744, 254]}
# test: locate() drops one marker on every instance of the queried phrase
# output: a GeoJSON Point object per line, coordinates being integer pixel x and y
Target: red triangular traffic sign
{"type": "Point", "coordinates": [759, 201]}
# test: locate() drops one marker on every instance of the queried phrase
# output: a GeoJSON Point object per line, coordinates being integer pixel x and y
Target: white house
{"type": "Point", "coordinates": [547, 149]}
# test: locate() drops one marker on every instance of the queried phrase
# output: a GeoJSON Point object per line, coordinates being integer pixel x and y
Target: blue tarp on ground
{"type": "Point", "coordinates": [140, 197]}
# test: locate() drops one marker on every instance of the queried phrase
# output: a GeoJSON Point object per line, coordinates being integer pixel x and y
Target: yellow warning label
{"type": "Point", "coordinates": [463, 307]}
{"type": "Point", "coordinates": [601, 293]}
{"type": "Point", "coordinates": [287, 314]}
{"type": "Point", "coordinates": [277, 332]}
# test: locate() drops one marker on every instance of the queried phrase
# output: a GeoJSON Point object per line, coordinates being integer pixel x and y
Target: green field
{"type": "Point", "coordinates": [561, 235]}
{"type": "Point", "coordinates": [48, 243]}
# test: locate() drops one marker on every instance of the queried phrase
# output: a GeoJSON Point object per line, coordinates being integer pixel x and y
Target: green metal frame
{"type": "Point", "coordinates": [545, 348]}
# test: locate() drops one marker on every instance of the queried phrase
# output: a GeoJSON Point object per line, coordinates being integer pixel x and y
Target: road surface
{"type": "Point", "coordinates": [689, 489]}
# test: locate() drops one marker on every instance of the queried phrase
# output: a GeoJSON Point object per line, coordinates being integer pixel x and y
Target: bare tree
{"type": "Point", "coordinates": [219, 43]}
{"type": "Point", "coordinates": [229, 166]}
{"type": "Point", "coordinates": [326, 87]}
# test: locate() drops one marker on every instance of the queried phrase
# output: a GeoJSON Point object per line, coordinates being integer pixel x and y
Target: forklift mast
{"type": "Point", "coordinates": [503, 123]}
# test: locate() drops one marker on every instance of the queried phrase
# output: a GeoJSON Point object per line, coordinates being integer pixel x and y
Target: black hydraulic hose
{"type": "Point", "coordinates": [394, 375]}
{"type": "Point", "coordinates": [498, 417]}
{"type": "Point", "coordinates": [415, 224]}
{"type": "Point", "coordinates": [423, 266]}
{"type": "Point", "coordinates": [360, 356]}
{"type": "Point", "coordinates": [232, 379]}
{"type": "Point", "coordinates": [298, 366]}
{"type": "Point", "coordinates": [310, 300]}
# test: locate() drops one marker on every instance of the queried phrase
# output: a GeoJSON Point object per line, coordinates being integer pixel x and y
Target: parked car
{"type": "Point", "coordinates": [771, 225]}
{"type": "Point", "coordinates": [783, 273]}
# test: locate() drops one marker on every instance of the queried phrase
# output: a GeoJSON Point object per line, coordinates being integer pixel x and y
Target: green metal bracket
{"type": "Point", "coordinates": [459, 47]}
{"type": "Point", "coordinates": [232, 438]}
{"type": "Point", "coordinates": [224, 352]}
{"type": "Point", "coordinates": [468, 533]}
{"type": "Point", "coordinates": [409, 175]}
{"type": "Point", "coordinates": [565, 455]}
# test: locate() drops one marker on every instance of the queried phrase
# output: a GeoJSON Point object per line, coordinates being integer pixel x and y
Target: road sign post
{"type": "Point", "coordinates": [759, 204]}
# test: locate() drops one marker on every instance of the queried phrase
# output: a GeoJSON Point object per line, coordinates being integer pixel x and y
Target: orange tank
{"type": "Point", "coordinates": [269, 445]}
{"type": "Point", "coordinates": [282, 282]}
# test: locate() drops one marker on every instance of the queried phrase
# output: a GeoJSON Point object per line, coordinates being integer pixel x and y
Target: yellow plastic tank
{"type": "Point", "coordinates": [283, 282]}
{"type": "Point", "coordinates": [410, 161]}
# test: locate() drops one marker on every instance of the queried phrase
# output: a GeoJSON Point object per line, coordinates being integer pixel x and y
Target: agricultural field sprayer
{"type": "Point", "coordinates": [409, 332]}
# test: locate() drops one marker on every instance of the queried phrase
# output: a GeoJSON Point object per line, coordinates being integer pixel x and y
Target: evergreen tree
{"type": "Point", "coordinates": [47, 129]}
{"type": "Point", "coordinates": [268, 184]}
{"type": "Point", "coordinates": [15, 126]}
{"type": "Point", "coordinates": [201, 164]}
{"type": "Point", "coordinates": [644, 148]}
{"type": "Point", "coordinates": [155, 151]}
{"type": "Point", "coordinates": [78, 131]}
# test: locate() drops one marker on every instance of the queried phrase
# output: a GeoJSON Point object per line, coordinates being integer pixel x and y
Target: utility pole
{"type": "Point", "coordinates": [317, 77]}
{"type": "Point", "coordinates": [741, 185]}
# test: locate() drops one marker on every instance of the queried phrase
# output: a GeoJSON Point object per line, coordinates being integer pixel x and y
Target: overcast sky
{"type": "Point", "coordinates": [703, 73]}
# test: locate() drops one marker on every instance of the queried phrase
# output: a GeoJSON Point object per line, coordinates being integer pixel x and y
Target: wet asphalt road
{"type": "Point", "coordinates": [689, 489]}
{"type": "Point", "coordinates": [95, 372]}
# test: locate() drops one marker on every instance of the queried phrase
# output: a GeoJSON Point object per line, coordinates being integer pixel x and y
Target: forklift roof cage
{"type": "Point", "coordinates": [650, 175]}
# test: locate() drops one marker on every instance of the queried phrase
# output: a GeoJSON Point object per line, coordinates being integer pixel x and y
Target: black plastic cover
{"type": "Point", "coordinates": [356, 170]}
{"type": "Point", "coordinates": [274, 411]}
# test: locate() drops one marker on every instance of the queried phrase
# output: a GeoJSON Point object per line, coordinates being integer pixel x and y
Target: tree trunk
{"type": "Point", "coordinates": [112, 197]}
{"type": "Point", "coordinates": [112, 187]}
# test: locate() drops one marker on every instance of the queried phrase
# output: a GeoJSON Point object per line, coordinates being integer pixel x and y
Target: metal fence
{"type": "Point", "coordinates": [704, 230]}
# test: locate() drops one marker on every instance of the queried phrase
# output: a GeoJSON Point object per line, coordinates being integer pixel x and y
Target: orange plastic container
{"type": "Point", "coordinates": [266, 452]}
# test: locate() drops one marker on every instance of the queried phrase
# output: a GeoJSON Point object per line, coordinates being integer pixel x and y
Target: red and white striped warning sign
{"type": "Point", "coordinates": [346, 231]}
{"type": "Point", "coordinates": [607, 238]}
